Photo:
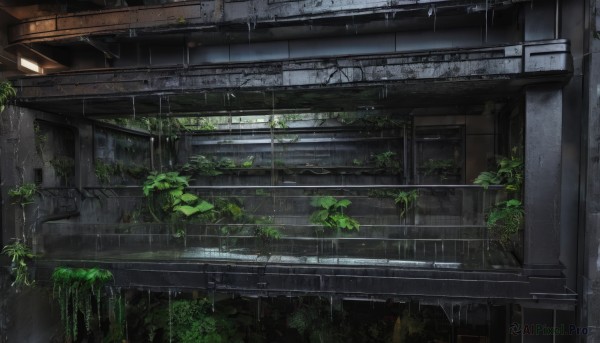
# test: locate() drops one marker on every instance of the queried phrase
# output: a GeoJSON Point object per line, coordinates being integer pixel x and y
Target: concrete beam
{"type": "Point", "coordinates": [364, 282]}
{"type": "Point", "coordinates": [550, 58]}
{"type": "Point", "coordinates": [209, 14]}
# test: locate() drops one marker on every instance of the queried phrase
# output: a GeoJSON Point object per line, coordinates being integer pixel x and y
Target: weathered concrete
{"type": "Point", "coordinates": [208, 15]}
{"type": "Point", "coordinates": [382, 80]}
{"type": "Point", "coordinates": [543, 138]}
{"type": "Point", "coordinates": [589, 243]}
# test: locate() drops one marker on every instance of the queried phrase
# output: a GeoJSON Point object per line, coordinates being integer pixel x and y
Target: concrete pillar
{"type": "Point", "coordinates": [543, 139]}
{"type": "Point", "coordinates": [588, 285]}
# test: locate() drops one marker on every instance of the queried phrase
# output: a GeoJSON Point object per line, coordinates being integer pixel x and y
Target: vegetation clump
{"type": "Point", "coordinates": [20, 255]}
{"type": "Point", "coordinates": [406, 200]}
{"type": "Point", "coordinates": [167, 197]}
{"type": "Point", "coordinates": [441, 168]}
{"type": "Point", "coordinates": [75, 289]}
{"type": "Point", "coordinates": [64, 166]}
{"type": "Point", "coordinates": [7, 91]}
{"type": "Point", "coordinates": [509, 174]}
{"type": "Point", "coordinates": [505, 218]}
{"type": "Point", "coordinates": [23, 194]}
{"type": "Point", "coordinates": [387, 160]}
{"type": "Point", "coordinates": [330, 214]}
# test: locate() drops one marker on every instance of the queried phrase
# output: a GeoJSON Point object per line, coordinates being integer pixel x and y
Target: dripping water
{"type": "Point", "coordinates": [170, 319]}
{"type": "Point", "coordinates": [331, 308]}
{"type": "Point", "coordinates": [133, 106]}
{"type": "Point", "coordinates": [249, 30]}
{"type": "Point", "coordinates": [258, 310]}
{"type": "Point", "coordinates": [213, 301]}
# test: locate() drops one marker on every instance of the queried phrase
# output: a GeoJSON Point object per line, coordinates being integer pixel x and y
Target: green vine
{"type": "Point", "coordinates": [75, 289]}
{"type": "Point", "coordinates": [19, 254]}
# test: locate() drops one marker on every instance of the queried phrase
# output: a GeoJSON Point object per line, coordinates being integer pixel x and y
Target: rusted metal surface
{"type": "Point", "coordinates": [198, 15]}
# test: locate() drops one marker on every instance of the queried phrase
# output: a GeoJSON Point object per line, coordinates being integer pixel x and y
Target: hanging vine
{"type": "Point", "coordinates": [75, 289]}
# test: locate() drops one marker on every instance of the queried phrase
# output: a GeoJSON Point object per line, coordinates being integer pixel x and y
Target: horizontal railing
{"type": "Point", "coordinates": [444, 227]}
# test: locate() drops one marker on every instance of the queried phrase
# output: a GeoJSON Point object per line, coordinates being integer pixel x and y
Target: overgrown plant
{"type": "Point", "coordinates": [330, 214]}
{"type": "Point", "coordinates": [75, 289]}
{"type": "Point", "coordinates": [201, 165]}
{"type": "Point", "coordinates": [20, 255]}
{"type": "Point", "coordinates": [24, 194]}
{"type": "Point", "coordinates": [265, 230]}
{"type": "Point", "coordinates": [7, 91]}
{"type": "Point", "coordinates": [406, 200]}
{"type": "Point", "coordinates": [63, 166]}
{"type": "Point", "coordinates": [441, 168]}
{"type": "Point", "coordinates": [387, 160]}
{"type": "Point", "coordinates": [248, 162]}
{"type": "Point", "coordinates": [505, 219]}
{"type": "Point", "coordinates": [194, 322]}
{"type": "Point", "coordinates": [167, 197]}
{"type": "Point", "coordinates": [40, 139]}
{"type": "Point", "coordinates": [509, 174]}
{"type": "Point", "coordinates": [103, 171]}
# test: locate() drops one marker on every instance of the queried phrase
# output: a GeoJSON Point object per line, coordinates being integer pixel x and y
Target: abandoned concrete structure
{"type": "Point", "coordinates": [269, 105]}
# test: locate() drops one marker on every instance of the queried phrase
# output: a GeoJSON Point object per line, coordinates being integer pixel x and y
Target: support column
{"type": "Point", "coordinates": [543, 138]}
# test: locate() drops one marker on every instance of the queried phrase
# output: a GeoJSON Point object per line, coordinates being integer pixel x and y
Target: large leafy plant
{"type": "Point", "coordinates": [167, 197]}
{"type": "Point", "coordinates": [75, 289]}
{"type": "Point", "coordinates": [509, 174]}
{"type": "Point", "coordinates": [330, 214]}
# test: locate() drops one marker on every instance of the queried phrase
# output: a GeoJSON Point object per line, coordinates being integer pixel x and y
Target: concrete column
{"type": "Point", "coordinates": [588, 285]}
{"type": "Point", "coordinates": [543, 139]}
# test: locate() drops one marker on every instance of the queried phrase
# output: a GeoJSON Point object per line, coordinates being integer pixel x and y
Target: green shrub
{"type": "Point", "coordinates": [331, 214]}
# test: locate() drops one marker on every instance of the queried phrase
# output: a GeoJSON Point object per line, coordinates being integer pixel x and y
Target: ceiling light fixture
{"type": "Point", "coordinates": [27, 65]}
